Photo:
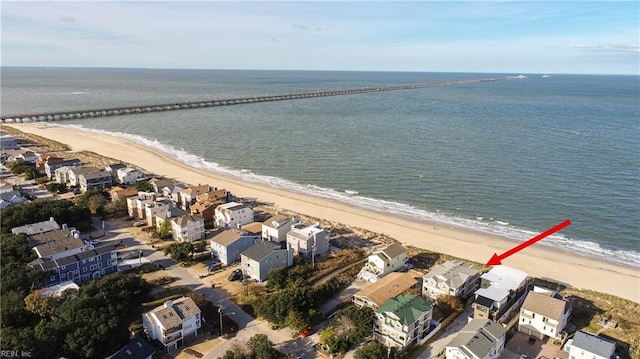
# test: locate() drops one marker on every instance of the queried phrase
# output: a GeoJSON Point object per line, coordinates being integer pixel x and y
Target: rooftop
{"type": "Point", "coordinates": [228, 236]}
{"type": "Point", "coordinates": [545, 305]}
{"type": "Point", "coordinates": [137, 348]}
{"type": "Point", "coordinates": [277, 221]}
{"type": "Point", "coordinates": [406, 307]}
{"type": "Point", "coordinates": [259, 251]}
{"type": "Point", "coordinates": [253, 227]}
{"type": "Point", "coordinates": [60, 240]}
{"type": "Point", "coordinates": [171, 313]}
{"type": "Point", "coordinates": [594, 344]}
{"type": "Point", "coordinates": [478, 337]}
{"type": "Point", "coordinates": [387, 287]}
{"type": "Point", "coordinates": [393, 250]}
{"type": "Point", "coordinates": [36, 228]}
{"type": "Point", "coordinates": [453, 273]}
{"type": "Point", "coordinates": [502, 279]}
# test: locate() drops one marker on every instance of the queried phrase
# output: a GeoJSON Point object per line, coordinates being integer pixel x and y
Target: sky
{"type": "Point", "coordinates": [427, 36]}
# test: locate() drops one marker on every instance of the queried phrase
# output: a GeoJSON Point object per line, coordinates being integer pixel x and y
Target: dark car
{"type": "Point", "coordinates": [532, 340]}
{"type": "Point", "coordinates": [235, 275]}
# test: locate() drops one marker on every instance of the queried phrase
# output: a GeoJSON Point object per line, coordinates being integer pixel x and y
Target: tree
{"type": "Point", "coordinates": [164, 232]}
{"type": "Point", "coordinates": [378, 350]}
{"type": "Point", "coordinates": [345, 327]}
{"type": "Point", "coordinates": [262, 347]}
{"type": "Point", "coordinates": [96, 203]}
{"type": "Point", "coordinates": [144, 186]}
{"type": "Point", "coordinates": [55, 187]}
{"type": "Point", "coordinates": [62, 210]}
{"type": "Point", "coordinates": [449, 304]}
{"type": "Point", "coordinates": [180, 251]}
{"type": "Point", "coordinates": [277, 278]}
{"type": "Point", "coordinates": [200, 246]}
{"type": "Point", "coordinates": [43, 306]}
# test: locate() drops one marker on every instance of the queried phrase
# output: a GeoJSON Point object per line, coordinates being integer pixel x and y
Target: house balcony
{"type": "Point", "coordinates": [169, 331]}
{"type": "Point", "coordinates": [172, 338]}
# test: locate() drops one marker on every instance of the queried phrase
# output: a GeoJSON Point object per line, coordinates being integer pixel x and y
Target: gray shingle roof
{"type": "Point", "coordinates": [259, 251]}
{"type": "Point", "coordinates": [478, 337]}
{"type": "Point", "coordinates": [594, 344]}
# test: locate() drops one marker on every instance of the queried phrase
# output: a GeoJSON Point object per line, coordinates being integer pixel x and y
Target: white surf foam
{"type": "Point", "coordinates": [492, 226]}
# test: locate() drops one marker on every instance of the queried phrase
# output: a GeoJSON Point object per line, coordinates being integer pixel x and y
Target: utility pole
{"type": "Point", "coordinates": [313, 253]}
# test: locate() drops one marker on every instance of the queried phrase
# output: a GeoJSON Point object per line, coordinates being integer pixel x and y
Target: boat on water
{"type": "Point", "coordinates": [545, 76]}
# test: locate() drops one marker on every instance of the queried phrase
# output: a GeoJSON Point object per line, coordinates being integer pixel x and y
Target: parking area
{"type": "Point", "coordinates": [519, 345]}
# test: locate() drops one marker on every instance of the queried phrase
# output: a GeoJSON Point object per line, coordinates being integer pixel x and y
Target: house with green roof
{"type": "Point", "coordinates": [403, 320]}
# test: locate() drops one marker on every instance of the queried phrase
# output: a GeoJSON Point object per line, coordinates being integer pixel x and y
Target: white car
{"type": "Point", "coordinates": [139, 224]}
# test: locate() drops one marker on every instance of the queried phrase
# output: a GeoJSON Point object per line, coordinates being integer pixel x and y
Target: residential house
{"type": "Point", "coordinates": [453, 278]}
{"type": "Point", "coordinates": [44, 158]}
{"type": "Point", "coordinates": [221, 195]}
{"type": "Point", "coordinates": [37, 228]}
{"type": "Point", "coordinates": [206, 209]}
{"type": "Point", "coordinates": [89, 263]}
{"type": "Point", "coordinates": [403, 320]}
{"type": "Point", "coordinates": [53, 162]}
{"type": "Point", "coordinates": [376, 294]}
{"type": "Point", "coordinates": [73, 176]}
{"type": "Point", "coordinates": [479, 339]}
{"type": "Point", "coordinates": [11, 198]}
{"type": "Point", "coordinates": [590, 346]}
{"type": "Point", "coordinates": [167, 214]}
{"type": "Point", "coordinates": [173, 191]}
{"type": "Point", "coordinates": [158, 183]}
{"type": "Point", "coordinates": [5, 187]}
{"type": "Point", "coordinates": [544, 313]}
{"type": "Point", "coordinates": [275, 229]}
{"type": "Point", "coordinates": [61, 174]}
{"type": "Point", "coordinates": [187, 228]}
{"type": "Point", "coordinates": [136, 204]}
{"type": "Point", "coordinates": [157, 207]}
{"type": "Point", "coordinates": [113, 170]}
{"type": "Point", "coordinates": [254, 228]}
{"type": "Point", "coordinates": [136, 348]}
{"type": "Point", "coordinates": [28, 156]}
{"type": "Point", "coordinates": [57, 243]}
{"type": "Point", "coordinates": [188, 195]}
{"type": "Point", "coordinates": [259, 259]}
{"type": "Point", "coordinates": [129, 175]}
{"type": "Point", "coordinates": [502, 290]}
{"type": "Point", "coordinates": [118, 193]}
{"type": "Point", "coordinates": [8, 142]}
{"type": "Point", "coordinates": [383, 262]}
{"type": "Point", "coordinates": [95, 181]}
{"type": "Point", "coordinates": [230, 243]}
{"type": "Point", "coordinates": [308, 240]}
{"type": "Point", "coordinates": [56, 291]}
{"type": "Point", "coordinates": [172, 323]}
{"type": "Point", "coordinates": [232, 215]}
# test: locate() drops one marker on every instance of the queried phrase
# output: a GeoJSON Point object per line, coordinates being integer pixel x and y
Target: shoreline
{"type": "Point", "coordinates": [474, 245]}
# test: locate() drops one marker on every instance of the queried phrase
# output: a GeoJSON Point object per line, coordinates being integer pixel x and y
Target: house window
{"type": "Point", "coordinates": [64, 275]}
{"type": "Point", "coordinates": [533, 315]}
{"type": "Point", "coordinates": [52, 278]}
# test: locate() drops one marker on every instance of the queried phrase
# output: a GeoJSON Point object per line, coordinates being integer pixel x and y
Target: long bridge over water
{"type": "Point", "coordinates": [129, 110]}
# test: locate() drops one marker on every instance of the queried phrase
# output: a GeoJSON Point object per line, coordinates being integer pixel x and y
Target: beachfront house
{"type": "Point", "coordinates": [403, 320]}
{"type": "Point", "coordinates": [232, 215]}
{"type": "Point", "coordinates": [590, 346]}
{"type": "Point", "coordinates": [479, 339]}
{"type": "Point", "coordinates": [383, 262]}
{"type": "Point", "coordinates": [158, 183]}
{"type": "Point", "coordinates": [173, 323]}
{"type": "Point", "coordinates": [118, 193]}
{"type": "Point", "coordinates": [453, 278]}
{"type": "Point", "coordinates": [95, 181]}
{"type": "Point", "coordinates": [8, 142]}
{"type": "Point", "coordinates": [53, 162]}
{"type": "Point", "coordinates": [155, 208]}
{"type": "Point", "coordinates": [308, 240]}
{"type": "Point", "coordinates": [129, 175]}
{"type": "Point", "coordinates": [173, 191]}
{"type": "Point", "coordinates": [61, 174]}
{"type": "Point", "coordinates": [376, 294]}
{"type": "Point", "coordinates": [259, 259]}
{"type": "Point", "coordinates": [544, 313]}
{"type": "Point", "coordinates": [11, 198]}
{"type": "Point", "coordinates": [37, 228]}
{"type": "Point", "coordinates": [187, 228]}
{"type": "Point", "coordinates": [502, 290]}
{"type": "Point", "coordinates": [276, 227]}
{"type": "Point", "coordinates": [229, 244]}
{"type": "Point", "coordinates": [113, 168]}
{"type": "Point", "coordinates": [206, 209]}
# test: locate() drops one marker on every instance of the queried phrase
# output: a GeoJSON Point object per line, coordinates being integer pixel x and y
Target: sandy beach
{"type": "Point", "coordinates": [538, 261]}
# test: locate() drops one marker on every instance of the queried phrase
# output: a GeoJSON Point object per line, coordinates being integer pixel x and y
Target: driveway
{"type": "Point", "coordinates": [441, 343]}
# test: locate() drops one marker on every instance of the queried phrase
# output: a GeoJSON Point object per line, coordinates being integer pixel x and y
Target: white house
{"type": "Point", "coordinates": [173, 322]}
{"type": "Point", "coordinates": [61, 174]}
{"type": "Point", "coordinates": [232, 215]}
{"type": "Point", "coordinates": [275, 228]}
{"type": "Point", "coordinates": [73, 176]}
{"type": "Point", "coordinates": [450, 278]}
{"type": "Point", "coordinates": [383, 262]}
{"type": "Point", "coordinates": [28, 156]}
{"type": "Point", "coordinates": [156, 207]}
{"type": "Point", "coordinates": [501, 289]}
{"type": "Point", "coordinates": [479, 339]}
{"type": "Point", "coordinates": [589, 346]}
{"type": "Point", "coordinates": [403, 320]}
{"type": "Point", "coordinates": [129, 175]}
{"type": "Point", "coordinates": [136, 204]}
{"type": "Point", "coordinates": [187, 228]}
{"type": "Point", "coordinates": [305, 239]}
{"type": "Point", "coordinates": [544, 313]}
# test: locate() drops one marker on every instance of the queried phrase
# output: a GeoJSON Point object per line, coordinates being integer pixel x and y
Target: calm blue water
{"type": "Point", "coordinates": [510, 157]}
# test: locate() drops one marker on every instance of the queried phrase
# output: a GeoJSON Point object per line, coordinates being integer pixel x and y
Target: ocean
{"type": "Point", "coordinates": [512, 158]}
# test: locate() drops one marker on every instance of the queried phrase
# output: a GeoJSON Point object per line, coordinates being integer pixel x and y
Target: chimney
{"type": "Point", "coordinates": [168, 304]}
{"type": "Point", "coordinates": [51, 219]}
{"type": "Point", "coordinates": [64, 226]}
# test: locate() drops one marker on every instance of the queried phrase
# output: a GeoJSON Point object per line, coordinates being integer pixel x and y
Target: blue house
{"type": "Point", "coordinates": [228, 245]}
{"type": "Point", "coordinates": [79, 267]}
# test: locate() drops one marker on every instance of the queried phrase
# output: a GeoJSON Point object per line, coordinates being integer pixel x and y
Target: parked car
{"type": "Point", "coordinates": [307, 332]}
{"type": "Point", "coordinates": [139, 224]}
{"type": "Point", "coordinates": [235, 275]}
